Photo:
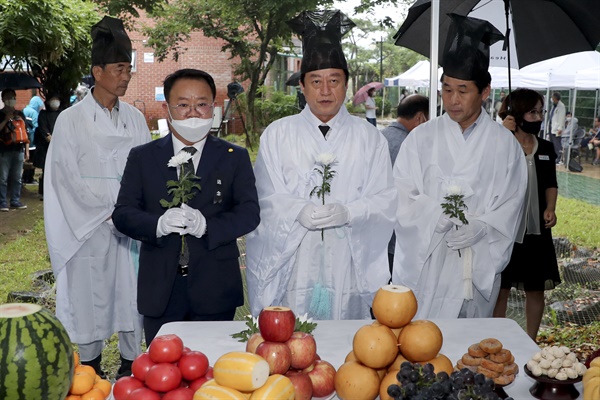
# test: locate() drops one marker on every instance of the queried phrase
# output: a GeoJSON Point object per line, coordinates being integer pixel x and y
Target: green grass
{"type": "Point", "coordinates": [579, 221]}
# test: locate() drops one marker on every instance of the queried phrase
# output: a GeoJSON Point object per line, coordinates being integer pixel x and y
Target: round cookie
{"type": "Point", "coordinates": [510, 369]}
{"type": "Point", "coordinates": [460, 365]}
{"type": "Point", "coordinates": [504, 380]}
{"type": "Point", "coordinates": [475, 351]}
{"type": "Point", "coordinates": [492, 366]}
{"type": "Point", "coordinates": [503, 356]}
{"type": "Point", "coordinates": [470, 360]}
{"type": "Point", "coordinates": [490, 345]}
{"type": "Point", "coordinates": [488, 373]}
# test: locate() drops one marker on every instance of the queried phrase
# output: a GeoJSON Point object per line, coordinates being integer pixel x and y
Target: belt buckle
{"type": "Point", "coordinates": [183, 270]}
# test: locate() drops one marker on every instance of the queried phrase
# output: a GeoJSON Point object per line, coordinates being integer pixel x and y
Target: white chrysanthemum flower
{"type": "Point", "coordinates": [454, 189]}
{"type": "Point", "coordinates": [326, 159]}
{"type": "Point", "coordinates": [179, 159]}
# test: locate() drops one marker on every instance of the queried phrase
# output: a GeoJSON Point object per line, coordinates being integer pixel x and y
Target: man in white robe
{"type": "Point", "coordinates": [454, 268]}
{"type": "Point", "coordinates": [92, 262]}
{"type": "Point", "coordinates": [325, 260]}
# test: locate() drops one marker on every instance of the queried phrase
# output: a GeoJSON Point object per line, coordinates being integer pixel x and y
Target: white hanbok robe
{"type": "Point", "coordinates": [93, 263]}
{"type": "Point", "coordinates": [284, 259]}
{"type": "Point", "coordinates": [490, 168]}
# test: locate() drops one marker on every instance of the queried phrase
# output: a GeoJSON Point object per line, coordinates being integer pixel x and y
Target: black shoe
{"type": "Point", "coordinates": [124, 369]}
{"type": "Point", "coordinates": [95, 363]}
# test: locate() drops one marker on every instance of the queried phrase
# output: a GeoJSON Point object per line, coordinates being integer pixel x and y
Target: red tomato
{"type": "Point", "coordinates": [163, 377]}
{"type": "Point", "coordinates": [186, 350]}
{"type": "Point", "coordinates": [124, 386]}
{"type": "Point", "coordinates": [179, 394]}
{"type": "Point", "coordinates": [166, 349]}
{"type": "Point", "coordinates": [141, 365]}
{"type": "Point", "coordinates": [193, 365]}
{"type": "Point", "coordinates": [209, 373]}
{"type": "Point", "coordinates": [197, 384]}
{"type": "Point", "coordinates": [143, 394]}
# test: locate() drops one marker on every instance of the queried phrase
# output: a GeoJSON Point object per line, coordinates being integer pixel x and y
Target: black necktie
{"type": "Point", "coordinates": [324, 129]}
{"type": "Point", "coordinates": [188, 167]}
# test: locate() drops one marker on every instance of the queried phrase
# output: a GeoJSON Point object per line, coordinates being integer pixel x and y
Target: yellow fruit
{"type": "Point", "coordinates": [389, 379]}
{"type": "Point", "coordinates": [440, 363]}
{"type": "Point", "coordinates": [394, 305]}
{"type": "Point", "coordinates": [595, 362]}
{"type": "Point", "coordinates": [375, 346]}
{"type": "Point", "coordinates": [591, 382]}
{"type": "Point", "coordinates": [420, 341]}
{"type": "Point", "coordinates": [350, 357]}
{"type": "Point", "coordinates": [356, 381]}
{"type": "Point", "coordinates": [217, 392]}
{"type": "Point", "coordinates": [397, 362]}
{"type": "Point", "coordinates": [87, 369]}
{"type": "Point", "coordinates": [277, 387]}
{"type": "Point", "coordinates": [241, 371]}
{"type": "Point", "coordinates": [82, 383]}
{"type": "Point", "coordinates": [104, 385]}
{"type": "Point", "coordinates": [94, 394]}
{"type": "Point", "coordinates": [75, 358]}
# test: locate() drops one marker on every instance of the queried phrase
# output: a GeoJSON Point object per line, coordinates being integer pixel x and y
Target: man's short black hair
{"type": "Point", "coordinates": [188, 73]}
{"type": "Point", "coordinates": [411, 105]}
{"type": "Point", "coordinates": [6, 92]}
{"type": "Point", "coordinates": [556, 95]}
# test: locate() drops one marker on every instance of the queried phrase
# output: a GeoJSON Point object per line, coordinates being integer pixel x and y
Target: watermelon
{"type": "Point", "coordinates": [36, 355]}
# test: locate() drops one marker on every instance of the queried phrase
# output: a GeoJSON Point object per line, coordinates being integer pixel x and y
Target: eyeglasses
{"type": "Point", "coordinates": [536, 113]}
{"type": "Point", "coordinates": [183, 109]}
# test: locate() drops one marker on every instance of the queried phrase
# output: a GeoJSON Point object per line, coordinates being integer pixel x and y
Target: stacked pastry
{"type": "Point", "coordinates": [489, 358]}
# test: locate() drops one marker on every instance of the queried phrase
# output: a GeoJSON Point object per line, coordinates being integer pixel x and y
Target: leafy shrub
{"type": "Point", "coordinates": [273, 106]}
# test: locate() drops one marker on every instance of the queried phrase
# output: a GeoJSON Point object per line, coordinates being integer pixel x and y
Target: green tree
{"type": "Point", "coordinates": [254, 32]}
{"type": "Point", "coordinates": [49, 38]}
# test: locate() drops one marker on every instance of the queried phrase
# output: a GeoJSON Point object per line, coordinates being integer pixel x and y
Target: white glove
{"type": "Point", "coordinates": [172, 221]}
{"type": "Point", "coordinates": [445, 223]}
{"type": "Point", "coordinates": [196, 223]}
{"type": "Point", "coordinates": [466, 235]}
{"type": "Point", "coordinates": [330, 215]}
{"type": "Point", "coordinates": [305, 217]}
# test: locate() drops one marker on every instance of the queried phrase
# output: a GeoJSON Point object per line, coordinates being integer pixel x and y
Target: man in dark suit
{"type": "Point", "coordinates": [204, 282]}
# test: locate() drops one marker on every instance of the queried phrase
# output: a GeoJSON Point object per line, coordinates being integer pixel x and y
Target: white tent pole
{"type": "Point", "coordinates": [571, 129]}
{"type": "Point", "coordinates": [433, 56]}
{"type": "Point", "coordinates": [546, 134]}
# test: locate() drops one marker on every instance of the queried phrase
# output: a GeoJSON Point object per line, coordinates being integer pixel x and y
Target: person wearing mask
{"type": "Point", "coordinates": [202, 283]}
{"type": "Point", "coordinates": [14, 150]}
{"type": "Point", "coordinates": [411, 112]}
{"type": "Point", "coordinates": [31, 112]}
{"type": "Point", "coordinates": [94, 264]}
{"type": "Point", "coordinates": [371, 108]}
{"type": "Point", "coordinates": [43, 135]}
{"type": "Point", "coordinates": [533, 266]}
{"type": "Point", "coordinates": [322, 254]}
{"type": "Point", "coordinates": [453, 265]}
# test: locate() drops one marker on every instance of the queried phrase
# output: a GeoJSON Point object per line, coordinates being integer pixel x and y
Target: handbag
{"type": "Point", "coordinates": [14, 132]}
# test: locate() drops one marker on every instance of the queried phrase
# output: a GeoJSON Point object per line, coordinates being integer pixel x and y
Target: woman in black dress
{"type": "Point", "coordinates": [43, 135]}
{"type": "Point", "coordinates": [533, 266]}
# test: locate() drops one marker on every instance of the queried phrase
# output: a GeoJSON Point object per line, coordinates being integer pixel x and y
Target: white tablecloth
{"type": "Point", "coordinates": [334, 341]}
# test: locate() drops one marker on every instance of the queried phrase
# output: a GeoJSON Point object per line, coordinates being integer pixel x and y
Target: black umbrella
{"type": "Point", "coordinates": [18, 81]}
{"type": "Point", "coordinates": [294, 79]}
{"type": "Point", "coordinates": [541, 29]}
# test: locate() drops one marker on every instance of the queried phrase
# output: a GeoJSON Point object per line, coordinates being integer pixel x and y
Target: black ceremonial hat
{"type": "Point", "coordinates": [467, 49]}
{"type": "Point", "coordinates": [110, 43]}
{"type": "Point", "coordinates": [322, 33]}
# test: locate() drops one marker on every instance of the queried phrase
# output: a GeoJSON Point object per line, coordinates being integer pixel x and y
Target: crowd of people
{"type": "Point", "coordinates": [142, 233]}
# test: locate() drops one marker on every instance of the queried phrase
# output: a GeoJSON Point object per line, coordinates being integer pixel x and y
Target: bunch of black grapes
{"type": "Point", "coordinates": [419, 382]}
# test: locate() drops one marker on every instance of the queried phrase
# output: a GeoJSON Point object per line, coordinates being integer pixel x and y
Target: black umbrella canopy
{"type": "Point", "coordinates": [294, 79]}
{"type": "Point", "coordinates": [18, 81]}
{"type": "Point", "coordinates": [541, 29]}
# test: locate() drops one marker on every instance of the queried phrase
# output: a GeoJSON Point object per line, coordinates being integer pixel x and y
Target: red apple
{"type": "Point", "coordinates": [303, 348]}
{"type": "Point", "coordinates": [278, 355]}
{"type": "Point", "coordinates": [253, 342]}
{"type": "Point", "coordinates": [276, 324]}
{"type": "Point", "coordinates": [302, 384]}
{"type": "Point", "coordinates": [322, 375]}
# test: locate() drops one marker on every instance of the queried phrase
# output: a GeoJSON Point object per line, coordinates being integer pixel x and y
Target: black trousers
{"type": "Point", "coordinates": [178, 309]}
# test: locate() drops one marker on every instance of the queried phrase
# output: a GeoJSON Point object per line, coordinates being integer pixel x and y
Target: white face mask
{"type": "Point", "coordinates": [11, 102]}
{"type": "Point", "coordinates": [54, 104]}
{"type": "Point", "coordinates": [192, 129]}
